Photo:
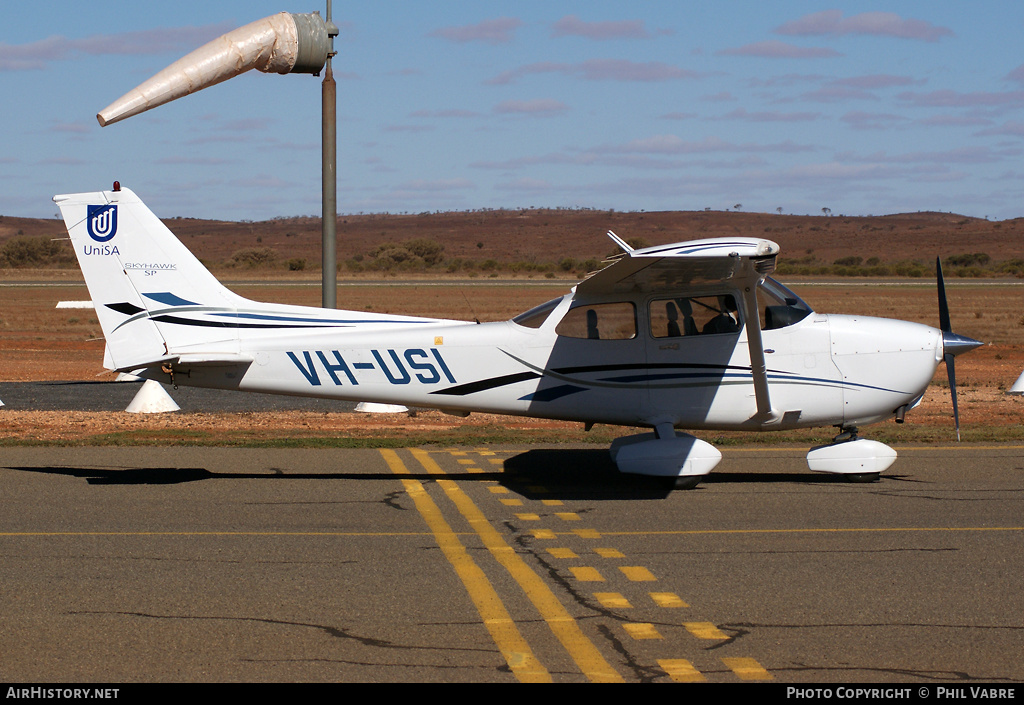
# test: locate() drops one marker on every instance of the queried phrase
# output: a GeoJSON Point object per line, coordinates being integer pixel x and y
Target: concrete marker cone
{"type": "Point", "coordinates": [152, 398]}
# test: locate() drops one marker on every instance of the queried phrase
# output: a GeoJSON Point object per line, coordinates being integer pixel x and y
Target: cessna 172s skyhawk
{"type": "Point", "coordinates": [693, 335]}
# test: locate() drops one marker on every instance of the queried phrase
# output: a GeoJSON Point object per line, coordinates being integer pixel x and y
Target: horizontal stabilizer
{"type": "Point", "coordinates": [214, 360]}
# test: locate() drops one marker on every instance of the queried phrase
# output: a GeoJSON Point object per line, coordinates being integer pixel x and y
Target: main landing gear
{"type": "Point", "coordinates": [668, 454]}
{"type": "Point", "coordinates": [857, 459]}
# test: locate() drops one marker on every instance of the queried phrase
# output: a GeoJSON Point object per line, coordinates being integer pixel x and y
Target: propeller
{"type": "Point", "coordinates": [952, 343]}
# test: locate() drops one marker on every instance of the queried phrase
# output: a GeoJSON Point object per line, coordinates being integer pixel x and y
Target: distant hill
{"type": "Point", "coordinates": [552, 236]}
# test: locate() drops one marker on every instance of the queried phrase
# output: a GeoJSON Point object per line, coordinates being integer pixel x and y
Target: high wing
{"type": "Point", "coordinates": [742, 262]}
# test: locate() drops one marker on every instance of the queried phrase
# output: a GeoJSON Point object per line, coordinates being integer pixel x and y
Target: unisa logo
{"type": "Point", "coordinates": [101, 222]}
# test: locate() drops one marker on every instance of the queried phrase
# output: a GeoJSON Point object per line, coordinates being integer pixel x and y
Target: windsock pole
{"type": "Point", "coordinates": [329, 176]}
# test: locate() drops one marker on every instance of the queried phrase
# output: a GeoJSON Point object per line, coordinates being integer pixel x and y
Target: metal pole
{"type": "Point", "coordinates": [329, 165]}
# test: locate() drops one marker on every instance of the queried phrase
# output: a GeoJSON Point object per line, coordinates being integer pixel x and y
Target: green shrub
{"type": "Point", "coordinates": [417, 253]}
{"type": "Point", "coordinates": [254, 257]}
{"type": "Point", "coordinates": [25, 251]}
{"type": "Point", "coordinates": [426, 249]}
{"type": "Point", "coordinates": [968, 260]}
{"type": "Point", "coordinates": [907, 268]}
{"type": "Point", "coordinates": [391, 256]}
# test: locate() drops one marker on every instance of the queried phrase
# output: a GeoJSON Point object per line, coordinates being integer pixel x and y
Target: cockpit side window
{"type": "Point", "coordinates": [607, 321]}
{"type": "Point", "coordinates": [694, 315]}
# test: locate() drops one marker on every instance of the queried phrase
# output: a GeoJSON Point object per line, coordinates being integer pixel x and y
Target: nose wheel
{"type": "Point", "coordinates": [848, 434]}
{"type": "Point", "coordinates": [863, 477]}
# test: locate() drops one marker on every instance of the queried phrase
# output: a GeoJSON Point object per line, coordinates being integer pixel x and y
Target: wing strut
{"type": "Point", "coordinates": [758, 367]}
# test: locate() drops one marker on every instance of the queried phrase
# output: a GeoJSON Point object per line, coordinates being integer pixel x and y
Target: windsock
{"type": "Point", "coordinates": [282, 43]}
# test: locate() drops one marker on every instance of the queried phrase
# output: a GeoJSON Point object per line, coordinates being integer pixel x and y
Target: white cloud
{"type": "Point", "coordinates": [949, 98]}
{"type": "Point", "coordinates": [774, 49]}
{"type": "Point", "coordinates": [671, 144]}
{"type": "Point", "coordinates": [599, 70]}
{"type": "Point", "coordinates": [37, 55]}
{"type": "Point", "coordinates": [768, 116]}
{"type": "Point", "coordinates": [885, 24]}
{"type": "Point", "coordinates": [571, 25]}
{"type": "Point", "coordinates": [541, 107]}
{"type": "Point", "coordinates": [496, 31]}
{"type": "Point", "coordinates": [436, 185]}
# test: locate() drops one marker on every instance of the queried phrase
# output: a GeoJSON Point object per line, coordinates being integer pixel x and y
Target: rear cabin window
{"type": "Point", "coordinates": [612, 321]}
{"type": "Point", "coordinates": [694, 315]}
{"type": "Point", "coordinates": [535, 317]}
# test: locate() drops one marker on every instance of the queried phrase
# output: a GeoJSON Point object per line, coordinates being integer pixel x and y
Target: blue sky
{"type": "Point", "coordinates": [859, 107]}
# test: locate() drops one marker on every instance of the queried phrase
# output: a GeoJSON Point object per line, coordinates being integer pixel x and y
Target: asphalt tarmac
{"type": "Point", "coordinates": [503, 564]}
{"type": "Point", "coordinates": [115, 396]}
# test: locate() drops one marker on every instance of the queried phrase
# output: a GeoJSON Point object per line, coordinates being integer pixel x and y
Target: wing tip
{"type": "Point", "coordinates": [620, 242]}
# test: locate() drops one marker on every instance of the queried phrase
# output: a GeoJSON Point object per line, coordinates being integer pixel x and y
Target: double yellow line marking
{"type": "Point", "coordinates": [513, 646]}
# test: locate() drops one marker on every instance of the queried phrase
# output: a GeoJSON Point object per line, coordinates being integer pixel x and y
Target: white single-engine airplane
{"type": "Point", "coordinates": [693, 335]}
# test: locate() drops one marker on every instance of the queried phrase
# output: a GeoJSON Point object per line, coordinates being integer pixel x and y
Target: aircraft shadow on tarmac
{"type": "Point", "coordinates": [591, 474]}
{"type": "Point", "coordinates": [173, 476]}
{"type": "Point", "coordinates": [133, 476]}
{"type": "Point", "coordinates": [535, 474]}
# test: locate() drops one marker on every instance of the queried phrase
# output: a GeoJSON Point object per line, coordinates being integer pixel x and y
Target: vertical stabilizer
{"type": "Point", "coordinates": [137, 272]}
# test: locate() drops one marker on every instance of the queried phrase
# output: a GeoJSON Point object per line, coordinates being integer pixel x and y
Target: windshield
{"type": "Point", "coordinates": [783, 294]}
{"type": "Point", "coordinates": [780, 306]}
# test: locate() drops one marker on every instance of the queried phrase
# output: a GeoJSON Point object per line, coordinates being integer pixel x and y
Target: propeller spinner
{"type": "Point", "coordinates": [952, 343]}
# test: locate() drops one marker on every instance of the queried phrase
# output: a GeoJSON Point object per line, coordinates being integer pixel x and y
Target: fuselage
{"type": "Point", "coordinates": [634, 368]}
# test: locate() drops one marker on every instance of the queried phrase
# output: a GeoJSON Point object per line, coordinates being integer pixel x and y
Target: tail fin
{"type": "Point", "coordinates": [137, 271]}
{"type": "Point", "coordinates": [158, 304]}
